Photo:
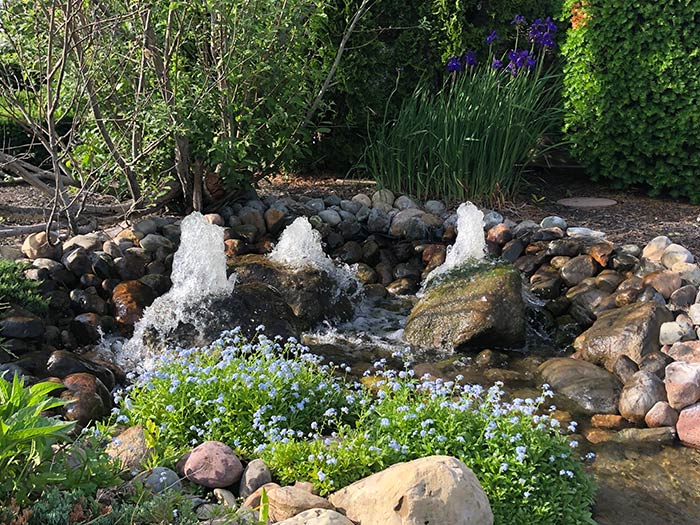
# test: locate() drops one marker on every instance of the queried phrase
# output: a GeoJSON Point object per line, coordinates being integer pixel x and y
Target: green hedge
{"type": "Point", "coordinates": [395, 45]}
{"type": "Point", "coordinates": [631, 88]}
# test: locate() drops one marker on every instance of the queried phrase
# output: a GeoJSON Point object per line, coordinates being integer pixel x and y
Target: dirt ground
{"type": "Point", "coordinates": [636, 218]}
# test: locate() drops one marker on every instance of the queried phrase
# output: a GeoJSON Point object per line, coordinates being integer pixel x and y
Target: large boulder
{"type": "Point", "coordinates": [434, 489]}
{"type": "Point", "coordinates": [471, 307]}
{"type": "Point", "coordinates": [587, 387]}
{"type": "Point", "coordinates": [632, 330]}
{"type": "Point", "coordinates": [312, 294]}
{"type": "Point", "coordinates": [202, 321]}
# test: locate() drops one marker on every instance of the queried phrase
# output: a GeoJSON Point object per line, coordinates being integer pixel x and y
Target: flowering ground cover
{"type": "Point", "coordinates": [307, 421]}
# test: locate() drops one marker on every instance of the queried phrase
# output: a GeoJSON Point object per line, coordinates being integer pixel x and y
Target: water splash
{"type": "Point", "coordinates": [470, 242]}
{"type": "Point", "coordinates": [199, 273]}
{"type": "Point", "coordinates": [300, 246]}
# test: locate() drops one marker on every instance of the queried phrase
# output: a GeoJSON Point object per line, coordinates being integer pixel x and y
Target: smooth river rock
{"type": "Point", "coordinates": [433, 490]}
{"type": "Point", "coordinates": [591, 389]}
{"type": "Point", "coordinates": [632, 330]}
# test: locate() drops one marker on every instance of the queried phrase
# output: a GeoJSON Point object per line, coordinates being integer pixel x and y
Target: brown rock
{"type": "Point", "coordinates": [601, 252]}
{"type": "Point", "coordinates": [253, 501]}
{"type": "Point", "coordinates": [213, 464]}
{"type": "Point", "coordinates": [609, 421]}
{"type": "Point", "coordinates": [36, 246]}
{"type": "Point", "coordinates": [640, 394]}
{"type": "Point", "coordinates": [661, 415]}
{"type": "Point", "coordinates": [632, 330]}
{"type": "Point", "coordinates": [130, 299]}
{"type": "Point", "coordinates": [688, 351]}
{"type": "Point", "coordinates": [688, 426]}
{"type": "Point", "coordinates": [234, 247]}
{"type": "Point", "coordinates": [433, 256]}
{"type": "Point", "coordinates": [274, 220]}
{"type": "Point", "coordinates": [665, 282]}
{"type": "Point", "coordinates": [578, 269]}
{"type": "Point", "coordinates": [286, 502]}
{"type": "Point", "coordinates": [130, 448]}
{"type": "Point", "coordinates": [434, 489]}
{"type": "Point", "coordinates": [499, 234]}
{"type": "Point", "coordinates": [597, 435]}
{"type": "Point", "coordinates": [88, 399]}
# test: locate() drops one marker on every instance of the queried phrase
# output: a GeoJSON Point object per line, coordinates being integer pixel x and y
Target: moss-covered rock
{"type": "Point", "coordinates": [475, 307]}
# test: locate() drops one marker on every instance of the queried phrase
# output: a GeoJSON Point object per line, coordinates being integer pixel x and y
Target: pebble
{"type": "Point", "coordinates": [162, 479]}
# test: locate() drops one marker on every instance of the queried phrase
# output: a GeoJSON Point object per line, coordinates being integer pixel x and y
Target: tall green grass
{"type": "Point", "coordinates": [471, 139]}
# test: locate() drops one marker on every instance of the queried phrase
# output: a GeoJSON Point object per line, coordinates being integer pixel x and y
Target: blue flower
{"type": "Point", "coordinates": [469, 58]}
{"type": "Point", "coordinates": [454, 64]}
{"type": "Point", "coordinates": [542, 32]}
{"type": "Point", "coordinates": [519, 20]}
{"type": "Point", "coordinates": [497, 64]}
{"type": "Point", "coordinates": [493, 36]}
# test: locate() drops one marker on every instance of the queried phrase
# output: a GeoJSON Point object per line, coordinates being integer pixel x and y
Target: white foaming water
{"type": "Point", "coordinates": [470, 242]}
{"type": "Point", "coordinates": [199, 271]}
{"type": "Point", "coordinates": [299, 246]}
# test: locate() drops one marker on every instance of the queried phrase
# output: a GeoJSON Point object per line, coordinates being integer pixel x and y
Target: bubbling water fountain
{"type": "Point", "coordinates": [470, 242]}
{"type": "Point", "coordinates": [199, 272]}
{"type": "Point", "coordinates": [300, 246]}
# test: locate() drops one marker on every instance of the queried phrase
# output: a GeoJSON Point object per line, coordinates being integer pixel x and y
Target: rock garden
{"type": "Point", "coordinates": [202, 323]}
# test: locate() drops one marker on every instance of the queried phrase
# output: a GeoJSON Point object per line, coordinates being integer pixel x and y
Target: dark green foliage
{"type": "Point", "coordinates": [632, 87]}
{"type": "Point", "coordinates": [16, 289]}
{"type": "Point", "coordinates": [395, 45]}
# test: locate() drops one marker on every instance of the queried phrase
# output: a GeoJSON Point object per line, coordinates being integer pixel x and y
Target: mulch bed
{"type": "Point", "coordinates": [636, 218]}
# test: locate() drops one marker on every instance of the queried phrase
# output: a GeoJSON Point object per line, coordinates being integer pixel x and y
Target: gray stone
{"type": "Point", "coordinates": [152, 242]}
{"type": "Point", "coordinates": [689, 272]}
{"type": "Point", "coordinates": [584, 233]}
{"type": "Point", "coordinates": [492, 218]}
{"type": "Point", "coordinates": [363, 199]}
{"type": "Point", "coordinates": [553, 222]}
{"type": "Point", "coordinates": [88, 242]}
{"type": "Point", "coordinates": [435, 207]}
{"type": "Point", "coordinates": [657, 436]}
{"type": "Point", "coordinates": [674, 254]}
{"type": "Point", "coordinates": [589, 388]}
{"type": "Point", "coordinates": [331, 217]}
{"type": "Point", "coordinates": [378, 221]}
{"type": "Point", "coordinates": [255, 475]}
{"type": "Point", "coordinates": [383, 196]}
{"type": "Point", "coordinates": [162, 479]}
{"type": "Point", "coordinates": [350, 206]}
{"type": "Point", "coordinates": [672, 332]}
{"type": "Point", "coordinates": [661, 415]}
{"type": "Point", "coordinates": [145, 226]}
{"type": "Point", "coordinates": [317, 205]}
{"type": "Point", "coordinates": [639, 395]}
{"type": "Point", "coordinates": [404, 202]}
{"type": "Point", "coordinates": [525, 227]}
{"type": "Point", "coordinates": [654, 250]}
{"type": "Point", "coordinates": [317, 517]}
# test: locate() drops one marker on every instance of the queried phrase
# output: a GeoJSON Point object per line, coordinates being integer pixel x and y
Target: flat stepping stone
{"type": "Point", "coordinates": [586, 202]}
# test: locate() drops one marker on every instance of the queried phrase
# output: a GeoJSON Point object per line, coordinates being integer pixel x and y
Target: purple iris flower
{"type": "Point", "coordinates": [454, 64]}
{"type": "Point", "coordinates": [519, 20]}
{"type": "Point", "coordinates": [497, 64]}
{"type": "Point", "coordinates": [542, 32]}
{"type": "Point", "coordinates": [519, 60]}
{"type": "Point", "coordinates": [469, 58]}
{"type": "Point", "coordinates": [493, 36]}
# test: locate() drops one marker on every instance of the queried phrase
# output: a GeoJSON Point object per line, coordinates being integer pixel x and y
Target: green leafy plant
{"type": "Point", "coordinates": [26, 437]}
{"type": "Point", "coordinates": [630, 90]}
{"type": "Point", "coordinates": [279, 404]}
{"type": "Point", "coordinates": [472, 139]}
{"type": "Point", "coordinates": [15, 288]}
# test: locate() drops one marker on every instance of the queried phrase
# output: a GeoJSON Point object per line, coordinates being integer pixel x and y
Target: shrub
{"type": "Point", "coordinates": [630, 88]}
{"type": "Point", "coordinates": [471, 139]}
{"type": "Point", "coordinates": [16, 289]}
{"type": "Point", "coordinates": [316, 428]}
